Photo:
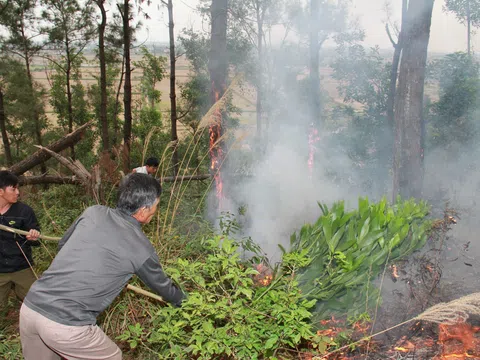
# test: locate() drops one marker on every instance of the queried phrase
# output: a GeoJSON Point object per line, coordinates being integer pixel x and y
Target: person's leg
{"type": "Point", "coordinates": [86, 343]}
{"type": "Point", "coordinates": [22, 280]}
{"type": "Point", "coordinates": [5, 287]}
{"type": "Point", "coordinates": [33, 347]}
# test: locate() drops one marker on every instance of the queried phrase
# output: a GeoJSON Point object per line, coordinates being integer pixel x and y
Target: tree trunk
{"type": "Point", "coordinates": [41, 156]}
{"type": "Point", "coordinates": [35, 114]}
{"type": "Point", "coordinates": [408, 147]}
{"type": "Point", "coordinates": [259, 105]}
{"type": "Point", "coordinates": [3, 128]}
{"type": "Point", "coordinates": [314, 65]}
{"type": "Point", "coordinates": [173, 96]}
{"type": "Point", "coordinates": [103, 76]}
{"type": "Point", "coordinates": [127, 89]}
{"type": "Point", "coordinates": [116, 129]}
{"type": "Point", "coordinates": [217, 66]}
{"type": "Point", "coordinates": [469, 28]}
{"type": "Point", "coordinates": [69, 92]}
{"type": "Point", "coordinates": [394, 70]}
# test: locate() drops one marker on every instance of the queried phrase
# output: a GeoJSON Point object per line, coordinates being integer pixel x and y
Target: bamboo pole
{"type": "Point", "coordinates": [51, 238]}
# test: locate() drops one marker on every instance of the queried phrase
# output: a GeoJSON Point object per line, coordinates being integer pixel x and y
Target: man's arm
{"type": "Point", "coordinates": [151, 273]}
{"type": "Point", "coordinates": [68, 233]}
{"type": "Point", "coordinates": [31, 225]}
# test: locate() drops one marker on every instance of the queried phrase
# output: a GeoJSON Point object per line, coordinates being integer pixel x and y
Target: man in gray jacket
{"type": "Point", "coordinates": [98, 255]}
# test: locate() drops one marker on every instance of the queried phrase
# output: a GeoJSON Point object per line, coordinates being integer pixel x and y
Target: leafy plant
{"type": "Point", "coordinates": [227, 315]}
{"type": "Point", "coordinates": [349, 248]}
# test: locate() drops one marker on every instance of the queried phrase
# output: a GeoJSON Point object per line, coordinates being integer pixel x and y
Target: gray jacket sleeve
{"type": "Point", "coordinates": [67, 234]}
{"type": "Point", "coordinates": [151, 273]}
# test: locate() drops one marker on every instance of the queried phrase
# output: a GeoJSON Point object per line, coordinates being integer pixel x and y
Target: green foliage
{"type": "Point", "coordinates": [227, 315]}
{"type": "Point", "coordinates": [10, 347]}
{"type": "Point", "coordinates": [20, 101]}
{"type": "Point", "coordinates": [463, 7]}
{"type": "Point", "coordinates": [453, 116]}
{"type": "Point", "coordinates": [154, 70]}
{"type": "Point", "coordinates": [350, 248]}
{"type": "Point", "coordinates": [364, 77]}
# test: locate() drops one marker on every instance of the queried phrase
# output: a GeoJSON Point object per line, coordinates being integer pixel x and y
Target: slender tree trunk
{"type": "Point", "coordinates": [469, 28]}
{"type": "Point", "coordinates": [103, 76]}
{"type": "Point", "coordinates": [259, 105]}
{"type": "Point", "coordinates": [127, 89]}
{"type": "Point", "coordinates": [116, 129]}
{"type": "Point", "coordinates": [173, 96]}
{"type": "Point", "coordinates": [218, 67]}
{"type": "Point", "coordinates": [68, 75]}
{"type": "Point", "coordinates": [314, 65]}
{"type": "Point", "coordinates": [35, 113]}
{"type": "Point", "coordinates": [394, 70]}
{"type": "Point", "coordinates": [3, 128]}
{"type": "Point", "coordinates": [408, 147]}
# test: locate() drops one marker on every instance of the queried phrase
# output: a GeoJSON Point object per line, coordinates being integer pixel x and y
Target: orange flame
{"type": "Point", "coordinates": [459, 341]}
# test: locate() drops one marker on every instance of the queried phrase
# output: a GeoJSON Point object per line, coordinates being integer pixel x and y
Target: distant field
{"type": "Point", "coordinates": [243, 98]}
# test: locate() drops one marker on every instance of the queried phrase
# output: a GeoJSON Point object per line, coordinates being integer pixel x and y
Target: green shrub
{"type": "Point", "coordinates": [228, 315]}
{"type": "Point", "coordinates": [349, 248]}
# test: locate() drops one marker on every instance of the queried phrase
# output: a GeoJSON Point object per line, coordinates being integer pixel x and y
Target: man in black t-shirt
{"type": "Point", "coordinates": [15, 250]}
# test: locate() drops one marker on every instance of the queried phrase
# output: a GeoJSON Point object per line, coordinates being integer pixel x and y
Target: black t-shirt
{"type": "Point", "coordinates": [19, 216]}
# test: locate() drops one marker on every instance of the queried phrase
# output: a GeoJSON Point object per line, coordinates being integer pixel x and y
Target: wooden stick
{"type": "Point", "coordinates": [144, 292]}
{"type": "Point", "coordinates": [22, 232]}
{"type": "Point", "coordinates": [51, 238]}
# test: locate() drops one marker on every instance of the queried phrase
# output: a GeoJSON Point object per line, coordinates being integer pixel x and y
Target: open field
{"type": "Point", "coordinates": [244, 98]}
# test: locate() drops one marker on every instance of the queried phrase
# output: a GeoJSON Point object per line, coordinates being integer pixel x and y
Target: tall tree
{"type": "Point", "coordinates": [103, 75]}
{"type": "Point", "coordinates": [3, 119]}
{"type": "Point", "coordinates": [409, 125]}
{"type": "Point", "coordinates": [467, 12]}
{"type": "Point", "coordinates": [217, 66]}
{"type": "Point", "coordinates": [127, 86]}
{"type": "Point", "coordinates": [397, 46]}
{"type": "Point", "coordinates": [70, 28]}
{"type": "Point", "coordinates": [173, 91]}
{"type": "Point", "coordinates": [314, 47]}
{"type": "Point", "coordinates": [21, 22]}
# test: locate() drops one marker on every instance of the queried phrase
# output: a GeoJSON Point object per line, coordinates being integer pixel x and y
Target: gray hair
{"type": "Point", "coordinates": [137, 191]}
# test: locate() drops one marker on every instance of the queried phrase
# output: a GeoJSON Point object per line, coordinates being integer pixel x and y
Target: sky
{"type": "Point", "coordinates": [447, 35]}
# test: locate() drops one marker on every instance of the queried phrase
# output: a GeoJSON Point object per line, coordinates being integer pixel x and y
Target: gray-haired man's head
{"type": "Point", "coordinates": [138, 193]}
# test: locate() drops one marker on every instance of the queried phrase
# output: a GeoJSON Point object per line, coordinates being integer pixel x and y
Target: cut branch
{"type": "Point", "coordinates": [40, 156]}
{"type": "Point", "coordinates": [74, 166]}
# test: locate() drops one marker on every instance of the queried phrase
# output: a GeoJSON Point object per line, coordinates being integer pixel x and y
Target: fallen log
{"type": "Point", "coordinates": [41, 156]}
{"type": "Point", "coordinates": [48, 179]}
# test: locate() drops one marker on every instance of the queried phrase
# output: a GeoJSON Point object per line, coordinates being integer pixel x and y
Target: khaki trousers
{"type": "Point", "coordinates": [20, 281]}
{"type": "Point", "coordinates": [44, 339]}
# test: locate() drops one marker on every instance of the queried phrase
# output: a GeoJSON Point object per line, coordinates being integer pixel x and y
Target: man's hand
{"type": "Point", "coordinates": [33, 235]}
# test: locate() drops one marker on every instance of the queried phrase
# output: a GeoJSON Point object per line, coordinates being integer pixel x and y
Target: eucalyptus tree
{"type": "Point", "coordinates": [318, 21]}
{"type": "Point", "coordinates": [409, 123]}
{"type": "Point", "coordinates": [173, 91]}
{"type": "Point", "coordinates": [20, 20]}
{"type": "Point", "coordinates": [15, 109]}
{"type": "Point", "coordinates": [467, 12]}
{"type": "Point", "coordinates": [70, 28]}
{"type": "Point", "coordinates": [103, 116]}
{"type": "Point", "coordinates": [256, 19]}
